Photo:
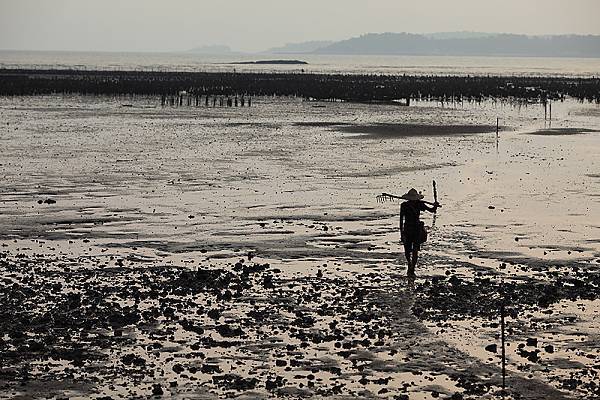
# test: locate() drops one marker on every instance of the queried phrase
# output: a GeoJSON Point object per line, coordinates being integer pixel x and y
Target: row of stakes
{"type": "Point", "coordinates": [184, 98]}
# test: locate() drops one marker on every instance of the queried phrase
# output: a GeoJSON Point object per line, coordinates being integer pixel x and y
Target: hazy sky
{"type": "Point", "coordinates": [254, 25]}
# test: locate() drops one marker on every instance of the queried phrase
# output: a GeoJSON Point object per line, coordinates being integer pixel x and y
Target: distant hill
{"type": "Point", "coordinates": [298, 48]}
{"type": "Point", "coordinates": [458, 35]}
{"type": "Point", "coordinates": [467, 45]}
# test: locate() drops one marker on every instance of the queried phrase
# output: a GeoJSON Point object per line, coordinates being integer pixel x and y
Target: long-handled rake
{"type": "Point", "coordinates": [384, 197]}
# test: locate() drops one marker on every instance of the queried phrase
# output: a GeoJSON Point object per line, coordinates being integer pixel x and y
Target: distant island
{"type": "Point", "coordinates": [432, 44]}
{"type": "Point", "coordinates": [271, 62]}
{"type": "Point", "coordinates": [300, 48]}
{"type": "Point", "coordinates": [466, 44]}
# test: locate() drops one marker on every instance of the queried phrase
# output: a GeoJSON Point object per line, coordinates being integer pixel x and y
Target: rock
{"type": "Point", "coordinates": [272, 384]}
{"type": "Point", "coordinates": [178, 368]}
{"type": "Point", "coordinates": [228, 331]}
{"type": "Point", "coordinates": [157, 390]}
{"type": "Point", "coordinates": [492, 348]}
{"type": "Point", "coordinates": [50, 201]}
{"type": "Point", "coordinates": [132, 359]}
{"type": "Point", "coordinates": [189, 326]}
{"type": "Point", "coordinates": [232, 381]}
{"type": "Point", "coordinates": [210, 369]}
{"type": "Point", "coordinates": [226, 295]}
{"type": "Point", "coordinates": [268, 282]}
{"type": "Point", "coordinates": [533, 342]}
{"type": "Point", "coordinates": [549, 349]}
{"type": "Point", "coordinates": [214, 313]}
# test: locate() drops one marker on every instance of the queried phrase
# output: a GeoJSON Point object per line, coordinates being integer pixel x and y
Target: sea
{"type": "Point", "coordinates": [331, 64]}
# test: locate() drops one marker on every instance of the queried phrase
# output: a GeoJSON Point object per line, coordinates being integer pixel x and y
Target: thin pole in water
{"type": "Point", "coordinates": [497, 132]}
{"type": "Point", "coordinates": [497, 126]}
{"type": "Point", "coordinates": [503, 347]}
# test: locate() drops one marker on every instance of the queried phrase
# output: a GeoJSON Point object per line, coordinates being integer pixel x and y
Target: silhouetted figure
{"type": "Point", "coordinates": [412, 230]}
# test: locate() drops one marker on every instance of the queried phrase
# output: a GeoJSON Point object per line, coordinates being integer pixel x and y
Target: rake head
{"type": "Point", "coordinates": [382, 198]}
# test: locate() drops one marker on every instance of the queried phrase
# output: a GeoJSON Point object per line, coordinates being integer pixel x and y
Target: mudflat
{"type": "Point", "coordinates": [240, 252]}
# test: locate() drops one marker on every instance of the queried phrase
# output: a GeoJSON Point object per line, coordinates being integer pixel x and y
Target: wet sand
{"type": "Point", "coordinates": [200, 253]}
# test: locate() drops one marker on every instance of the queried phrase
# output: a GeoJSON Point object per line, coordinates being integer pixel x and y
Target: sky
{"type": "Point", "coordinates": [256, 25]}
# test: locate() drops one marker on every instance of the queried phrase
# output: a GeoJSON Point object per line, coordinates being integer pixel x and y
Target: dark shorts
{"type": "Point", "coordinates": [411, 242]}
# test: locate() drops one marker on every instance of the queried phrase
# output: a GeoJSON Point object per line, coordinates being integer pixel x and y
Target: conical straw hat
{"type": "Point", "coordinates": [412, 194]}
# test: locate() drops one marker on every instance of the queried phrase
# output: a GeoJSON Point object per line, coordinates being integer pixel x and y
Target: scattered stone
{"type": "Point", "coordinates": [492, 348]}
{"type": "Point", "coordinates": [132, 359]}
{"type": "Point", "coordinates": [210, 369]}
{"type": "Point", "coordinates": [235, 382]}
{"type": "Point", "coordinates": [533, 342]}
{"type": "Point", "coordinates": [281, 363]}
{"type": "Point", "coordinates": [178, 368]}
{"type": "Point", "coordinates": [157, 390]}
{"type": "Point", "coordinates": [228, 331]}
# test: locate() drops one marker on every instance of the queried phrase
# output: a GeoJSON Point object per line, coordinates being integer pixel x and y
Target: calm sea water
{"type": "Point", "coordinates": [438, 65]}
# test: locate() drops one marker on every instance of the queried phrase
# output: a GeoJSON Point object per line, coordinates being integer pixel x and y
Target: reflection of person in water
{"type": "Point", "coordinates": [412, 230]}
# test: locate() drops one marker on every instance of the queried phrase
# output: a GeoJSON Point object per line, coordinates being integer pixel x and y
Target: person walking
{"type": "Point", "coordinates": [412, 229]}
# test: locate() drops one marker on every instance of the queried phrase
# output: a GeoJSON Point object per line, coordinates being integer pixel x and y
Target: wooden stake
{"type": "Point", "coordinates": [497, 127]}
{"type": "Point", "coordinates": [503, 348]}
{"type": "Point", "coordinates": [497, 133]}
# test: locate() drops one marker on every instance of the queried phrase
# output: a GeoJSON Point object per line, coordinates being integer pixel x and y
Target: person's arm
{"type": "Point", "coordinates": [402, 216]}
{"type": "Point", "coordinates": [432, 209]}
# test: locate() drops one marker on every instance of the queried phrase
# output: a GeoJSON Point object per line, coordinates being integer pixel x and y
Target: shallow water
{"type": "Point", "coordinates": [413, 65]}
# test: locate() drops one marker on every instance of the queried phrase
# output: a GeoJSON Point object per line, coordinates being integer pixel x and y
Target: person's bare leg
{"type": "Point", "coordinates": [407, 255]}
{"type": "Point", "coordinates": [407, 251]}
{"type": "Point", "coordinates": [414, 259]}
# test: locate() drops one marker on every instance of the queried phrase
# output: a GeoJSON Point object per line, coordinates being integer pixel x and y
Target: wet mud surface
{"type": "Point", "coordinates": [564, 131]}
{"type": "Point", "coordinates": [402, 130]}
{"type": "Point", "coordinates": [183, 253]}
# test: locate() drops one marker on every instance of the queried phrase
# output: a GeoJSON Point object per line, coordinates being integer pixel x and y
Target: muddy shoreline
{"type": "Point", "coordinates": [179, 329]}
